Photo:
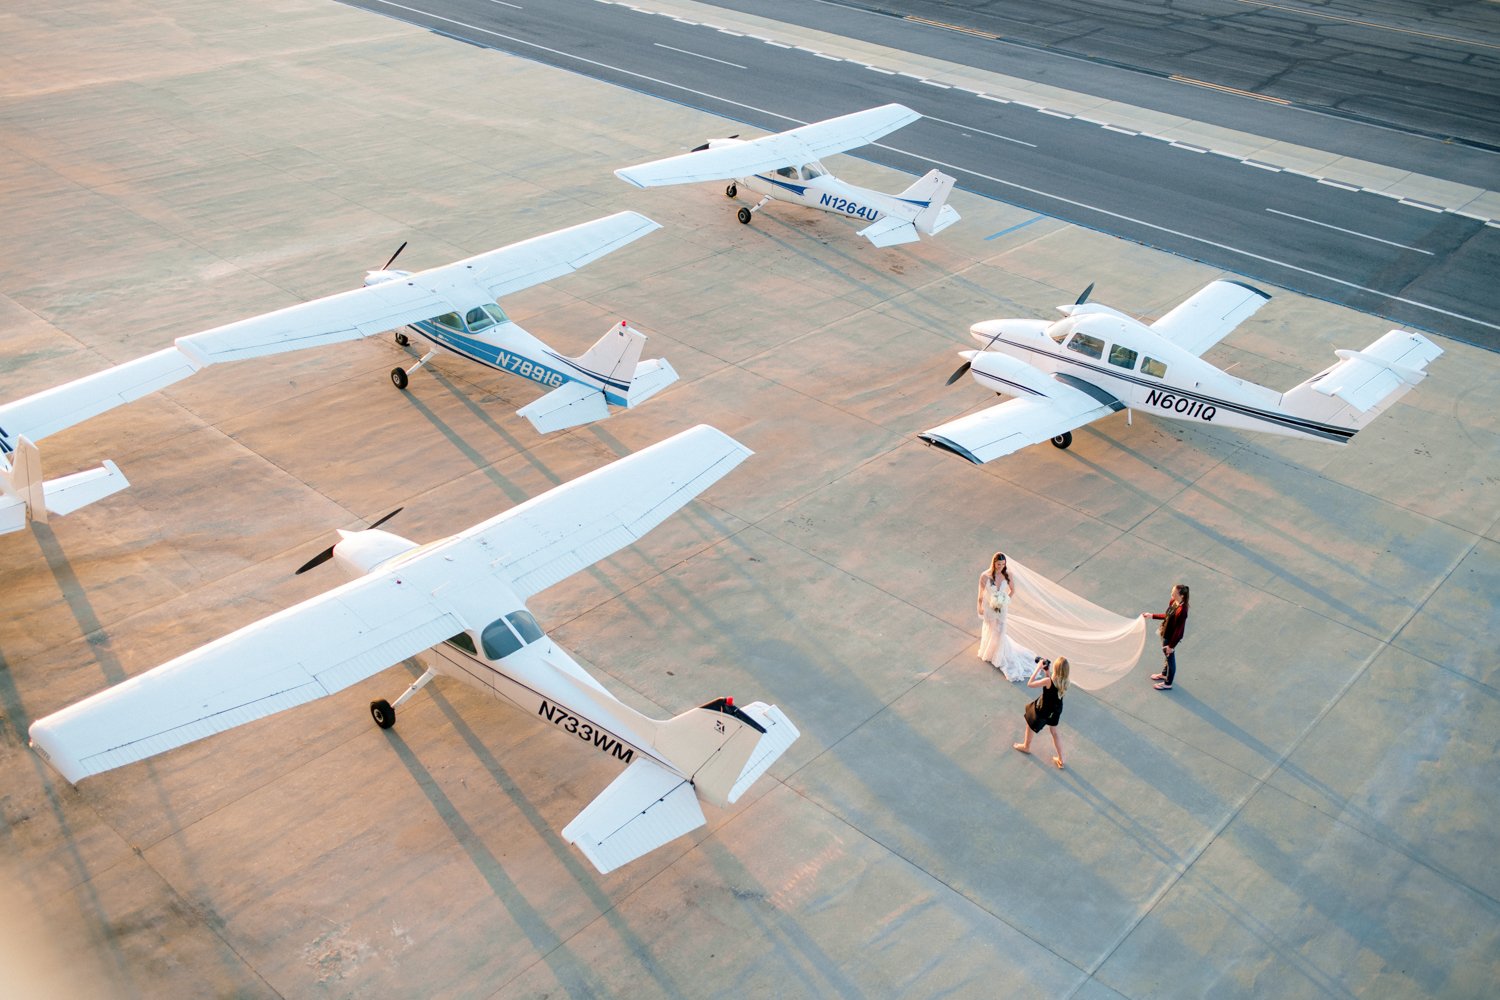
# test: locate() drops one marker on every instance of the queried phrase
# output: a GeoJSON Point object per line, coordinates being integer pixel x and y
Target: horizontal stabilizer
{"type": "Point", "coordinates": [651, 377]}
{"type": "Point", "coordinates": [1391, 365]}
{"type": "Point", "coordinates": [66, 494]}
{"type": "Point", "coordinates": [891, 231]}
{"type": "Point", "coordinates": [569, 405]}
{"type": "Point", "coordinates": [779, 736]}
{"type": "Point", "coordinates": [645, 807]}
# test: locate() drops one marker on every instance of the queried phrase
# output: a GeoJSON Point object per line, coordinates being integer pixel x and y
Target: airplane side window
{"type": "Point", "coordinates": [1084, 344]}
{"type": "Point", "coordinates": [498, 640]}
{"type": "Point", "coordinates": [526, 625]}
{"type": "Point", "coordinates": [451, 321]}
{"type": "Point", "coordinates": [463, 642]}
{"type": "Point", "coordinates": [789, 172]}
{"type": "Point", "coordinates": [1153, 368]}
{"type": "Point", "coordinates": [478, 319]}
{"type": "Point", "coordinates": [809, 171]}
{"type": "Point", "coordinates": [1122, 356]}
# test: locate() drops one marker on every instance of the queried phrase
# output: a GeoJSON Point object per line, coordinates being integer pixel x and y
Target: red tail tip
{"type": "Point", "coordinates": [729, 702]}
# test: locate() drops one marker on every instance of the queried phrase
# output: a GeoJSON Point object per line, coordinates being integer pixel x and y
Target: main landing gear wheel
{"type": "Point", "coordinates": [1063, 440]}
{"type": "Point", "coordinates": [731, 191]}
{"type": "Point", "coordinates": [398, 377]}
{"type": "Point", "coordinates": [383, 714]}
{"type": "Point", "coordinates": [402, 339]}
{"type": "Point", "coordinates": [744, 216]}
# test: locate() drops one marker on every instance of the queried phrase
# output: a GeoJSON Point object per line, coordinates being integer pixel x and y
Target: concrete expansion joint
{"type": "Point", "coordinates": [1413, 190]}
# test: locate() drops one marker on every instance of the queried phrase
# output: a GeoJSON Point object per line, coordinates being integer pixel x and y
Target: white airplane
{"type": "Point", "coordinates": [463, 597]}
{"type": "Point", "coordinates": [785, 167]}
{"type": "Point", "coordinates": [1096, 361]}
{"type": "Point", "coordinates": [453, 306]}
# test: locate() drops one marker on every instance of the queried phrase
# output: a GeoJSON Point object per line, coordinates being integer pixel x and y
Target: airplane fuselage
{"type": "Point", "coordinates": [1112, 357]}
{"type": "Point", "coordinates": [823, 192]}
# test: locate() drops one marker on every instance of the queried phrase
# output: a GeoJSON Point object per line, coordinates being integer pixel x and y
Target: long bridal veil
{"type": "Point", "coordinates": [1100, 645]}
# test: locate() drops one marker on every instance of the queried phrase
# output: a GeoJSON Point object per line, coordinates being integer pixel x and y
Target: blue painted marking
{"type": "Point", "coordinates": [1019, 225]}
{"type": "Point", "coordinates": [492, 356]}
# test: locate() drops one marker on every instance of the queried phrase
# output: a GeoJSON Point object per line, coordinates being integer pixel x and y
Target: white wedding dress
{"type": "Point", "coordinates": [1101, 646]}
{"type": "Point", "coordinates": [995, 647]}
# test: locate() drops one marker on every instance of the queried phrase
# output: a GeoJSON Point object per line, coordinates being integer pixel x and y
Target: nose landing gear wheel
{"type": "Point", "coordinates": [402, 339]}
{"type": "Point", "coordinates": [398, 377]}
{"type": "Point", "coordinates": [1063, 440]}
{"type": "Point", "coordinates": [383, 714]}
{"type": "Point", "coordinates": [731, 191]}
{"type": "Point", "coordinates": [744, 216]}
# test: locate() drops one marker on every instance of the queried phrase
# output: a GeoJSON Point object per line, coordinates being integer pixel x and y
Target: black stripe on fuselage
{"type": "Point", "coordinates": [1312, 428]}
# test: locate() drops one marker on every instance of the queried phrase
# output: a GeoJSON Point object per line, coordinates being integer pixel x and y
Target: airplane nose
{"type": "Point", "coordinates": [989, 329]}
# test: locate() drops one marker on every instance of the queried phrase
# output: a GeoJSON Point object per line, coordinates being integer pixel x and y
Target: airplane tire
{"type": "Point", "coordinates": [1063, 440]}
{"type": "Point", "coordinates": [383, 714]}
{"type": "Point", "coordinates": [731, 191]}
{"type": "Point", "coordinates": [402, 339]}
{"type": "Point", "coordinates": [744, 216]}
{"type": "Point", "coordinates": [398, 377]}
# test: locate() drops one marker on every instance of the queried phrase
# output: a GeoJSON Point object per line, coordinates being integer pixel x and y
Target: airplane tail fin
{"type": "Point", "coordinates": [25, 495]}
{"type": "Point", "coordinates": [937, 215]}
{"type": "Point", "coordinates": [724, 748]}
{"type": "Point", "coordinates": [624, 380]}
{"type": "Point", "coordinates": [1363, 384]}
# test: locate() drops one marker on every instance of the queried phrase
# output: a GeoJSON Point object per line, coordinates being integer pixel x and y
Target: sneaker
{"type": "Point", "coordinates": [1163, 687]}
{"type": "Point", "coordinates": [1158, 677]}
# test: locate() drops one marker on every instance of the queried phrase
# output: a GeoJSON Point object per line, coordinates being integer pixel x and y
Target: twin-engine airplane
{"type": "Point", "coordinates": [1096, 361]}
{"type": "Point", "coordinates": [463, 597]}
{"type": "Point", "coordinates": [454, 307]}
{"type": "Point", "coordinates": [785, 167]}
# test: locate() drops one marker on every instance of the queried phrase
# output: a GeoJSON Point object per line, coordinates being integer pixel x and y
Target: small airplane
{"type": "Point", "coordinates": [453, 306]}
{"type": "Point", "coordinates": [1096, 361]}
{"type": "Point", "coordinates": [786, 167]}
{"type": "Point", "coordinates": [463, 597]}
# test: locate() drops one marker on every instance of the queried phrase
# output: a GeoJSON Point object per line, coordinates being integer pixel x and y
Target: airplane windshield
{"type": "Point", "coordinates": [484, 317]}
{"type": "Point", "coordinates": [523, 623]}
{"type": "Point", "coordinates": [498, 640]}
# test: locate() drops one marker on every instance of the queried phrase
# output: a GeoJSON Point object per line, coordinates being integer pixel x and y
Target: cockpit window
{"type": "Point", "coordinates": [526, 625]}
{"type": "Point", "coordinates": [788, 172]}
{"type": "Point", "coordinates": [810, 170]}
{"type": "Point", "coordinates": [478, 319]}
{"type": "Point", "coordinates": [451, 321]}
{"type": "Point", "coordinates": [1058, 332]}
{"type": "Point", "coordinates": [498, 640]}
{"type": "Point", "coordinates": [1084, 344]}
{"type": "Point", "coordinates": [463, 642]}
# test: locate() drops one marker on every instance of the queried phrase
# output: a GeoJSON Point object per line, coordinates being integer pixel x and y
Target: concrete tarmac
{"type": "Point", "coordinates": [1310, 813]}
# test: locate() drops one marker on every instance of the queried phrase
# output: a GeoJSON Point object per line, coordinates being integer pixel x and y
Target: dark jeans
{"type": "Point", "coordinates": [1170, 667]}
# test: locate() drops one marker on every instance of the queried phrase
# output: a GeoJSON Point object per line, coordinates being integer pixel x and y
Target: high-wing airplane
{"type": "Point", "coordinates": [785, 167]}
{"type": "Point", "coordinates": [453, 306]}
{"type": "Point", "coordinates": [1096, 361]}
{"type": "Point", "coordinates": [463, 596]}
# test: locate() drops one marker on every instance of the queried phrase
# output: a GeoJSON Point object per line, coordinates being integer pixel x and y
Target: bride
{"type": "Point", "coordinates": [996, 588]}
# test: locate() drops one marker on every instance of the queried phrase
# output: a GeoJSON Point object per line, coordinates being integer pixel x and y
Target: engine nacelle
{"type": "Point", "coordinates": [361, 551]}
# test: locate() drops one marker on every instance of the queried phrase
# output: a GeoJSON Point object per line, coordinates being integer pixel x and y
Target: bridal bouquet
{"type": "Point", "coordinates": [998, 599]}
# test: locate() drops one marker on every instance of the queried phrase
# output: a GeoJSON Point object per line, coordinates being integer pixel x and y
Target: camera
{"type": "Point", "coordinates": [1046, 664]}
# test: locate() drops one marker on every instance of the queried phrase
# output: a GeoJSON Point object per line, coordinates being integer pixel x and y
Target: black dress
{"type": "Point", "coordinates": [1046, 710]}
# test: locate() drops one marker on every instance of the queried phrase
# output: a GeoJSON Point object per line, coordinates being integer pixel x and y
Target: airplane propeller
{"type": "Point", "coordinates": [403, 247]}
{"type": "Point", "coordinates": [963, 369]}
{"type": "Point", "coordinates": [327, 554]}
{"type": "Point", "coordinates": [1081, 299]}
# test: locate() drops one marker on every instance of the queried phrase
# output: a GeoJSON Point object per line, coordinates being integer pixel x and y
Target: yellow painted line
{"type": "Point", "coordinates": [1228, 90]}
{"type": "Point", "coordinates": [952, 27]}
{"type": "Point", "coordinates": [1371, 24]}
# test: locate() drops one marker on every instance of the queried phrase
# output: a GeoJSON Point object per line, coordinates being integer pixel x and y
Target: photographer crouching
{"type": "Point", "coordinates": [1046, 710]}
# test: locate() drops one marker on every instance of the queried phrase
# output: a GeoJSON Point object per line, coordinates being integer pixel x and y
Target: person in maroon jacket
{"type": "Point", "coordinates": [1173, 622]}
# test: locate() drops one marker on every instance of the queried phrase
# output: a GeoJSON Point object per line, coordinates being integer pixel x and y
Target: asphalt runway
{"type": "Point", "coordinates": [1417, 262]}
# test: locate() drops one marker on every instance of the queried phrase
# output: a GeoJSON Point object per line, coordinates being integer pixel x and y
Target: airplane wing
{"type": "Point", "coordinates": [570, 527]}
{"type": "Point", "coordinates": [1208, 315]}
{"type": "Point", "coordinates": [304, 652]}
{"type": "Point", "coordinates": [423, 295]}
{"type": "Point", "coordinates": [796, 147]}
{"type": "Point", "coordinates": [642, 809]}
{"type": "Point", "coordinates": [1012, 425]}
